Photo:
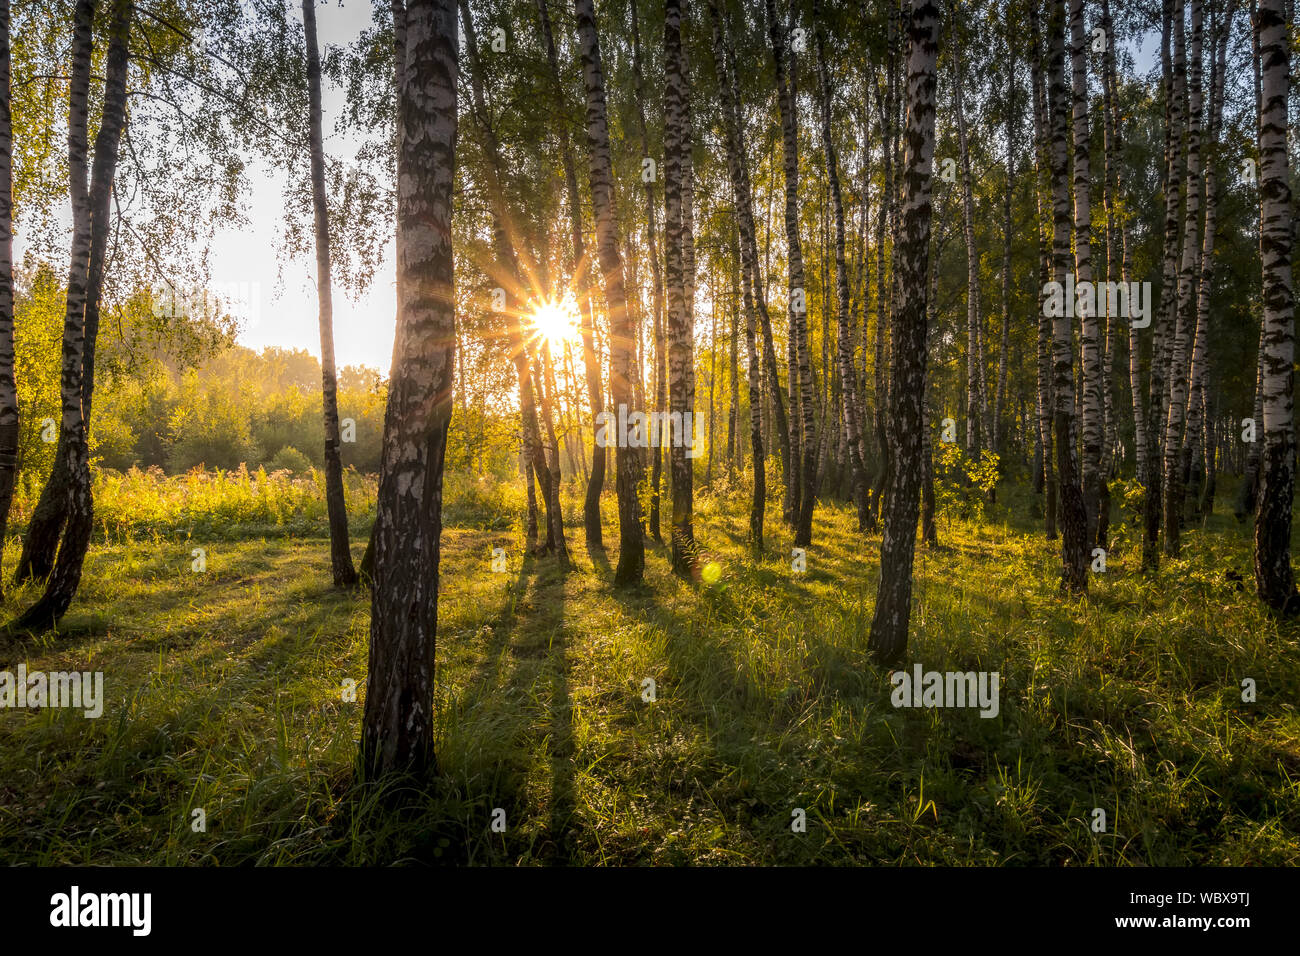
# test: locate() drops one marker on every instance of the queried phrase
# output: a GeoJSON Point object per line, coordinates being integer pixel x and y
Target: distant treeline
{"type": "Point", "coordinates": [178, 393]}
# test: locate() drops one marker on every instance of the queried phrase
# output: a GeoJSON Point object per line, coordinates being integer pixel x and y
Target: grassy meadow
{"type": "Point", "coordinates": [225, 692]}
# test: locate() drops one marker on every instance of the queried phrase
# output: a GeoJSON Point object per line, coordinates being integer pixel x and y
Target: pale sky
{"type": "Point", "coordinates": [286, 314]}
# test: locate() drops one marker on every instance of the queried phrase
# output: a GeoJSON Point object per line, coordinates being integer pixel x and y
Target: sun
{"type": "Point", "coordinates": [556, 322]}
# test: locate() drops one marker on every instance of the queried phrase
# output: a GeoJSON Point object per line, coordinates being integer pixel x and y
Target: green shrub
{"type": "Point", "coordinates": [212, 429]}
{"type": "Point", "coordinates": [289, 459]}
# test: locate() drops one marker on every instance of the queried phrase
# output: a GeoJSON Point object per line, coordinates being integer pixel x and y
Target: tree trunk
{"type": "Point", "coordinates": [78, 380]}
{"type": "Point", "coordinates": [544, 376]}
{"type": "Point", "coordinates": [676, 242]}
{"type": "Point", "coordinates": [1073, 515]}
{"type": "Point", "coordinates": [345, 576]}
{"type": "Point", "coordinates": [999, 410]}
{"type": "Point", "coordinates": [1157, 411]}
{"type": "Point", "coordinates": [796, 286]}
{"type": "Point", "coordinates": [1109, 122]}
{"type": "Point", "coordinates": [1247, 496]}
{"type": "Point", "coordinates": [860, 322]}
{"type": "Point", "coordinates": [848, 374]}
{"type": "Point", "coordinates": [713, 373]}
{"type": "Point", "coordinates": [755, 306]}
{"type": "Point", "coordinates": [929, 532]}
{"type": "Point", "coordinates": [397, 729]}
{"type": "Point", "coordinates": [1274, 578]}
{"type": "Point", "coordinates": [660, 370]}
{"type": "Point", "coordinates": [1042, 191]}
{"type": "Point", "coordinates": [1197, 400]}
{"type": "Point", "coordinates": [1089, 338]}
{"type": "Point", "coordinates": [883, 304]}
{"type": "Point", "coordinates": [8, 390]}
{"type": "Point", "coordinates": [1184, 328]}
{"type": "Point", "coordinates": [595, 392]}
{"type": "Point", "coordinates": [758, 502]}
{"type": "Point", "coordinates": [622, 342]}
{"type": "Point", "coordinates": [733, 343]}
{"type": "Point", "coordinates": [41, 543]}
{"type": "Point", "coordinates": [975, 437]}
{"type": "Point", "coordinates": [889, 625]}
{"type": "Point", "coordinates": [1119, 211]}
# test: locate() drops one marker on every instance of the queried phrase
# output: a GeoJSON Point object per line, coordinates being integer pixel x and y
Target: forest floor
{"type": "Point", "coordinates": [225, 693]}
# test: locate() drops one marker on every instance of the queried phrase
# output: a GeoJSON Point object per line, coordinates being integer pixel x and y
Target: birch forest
{"type": "Point", "coordinates": [616, 432]}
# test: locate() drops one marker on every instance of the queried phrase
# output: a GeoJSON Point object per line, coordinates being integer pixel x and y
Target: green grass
{"type": "Point", "coordinates": [224, 693]}
{"type": "Point", "coordinates": [211, 505]}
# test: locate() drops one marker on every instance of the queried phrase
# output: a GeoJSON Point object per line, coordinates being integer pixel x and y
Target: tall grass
{"type": "Point", "coordinates": [216, 505]}
{"type": "Point", "coordinates": [225, 692]}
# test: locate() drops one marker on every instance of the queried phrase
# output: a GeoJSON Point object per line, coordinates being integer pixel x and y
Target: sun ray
{"type": "Point", "coordinates": [555, 321]}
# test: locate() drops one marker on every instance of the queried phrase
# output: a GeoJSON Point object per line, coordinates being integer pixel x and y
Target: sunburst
{"type": "Point", "coordinates": [556, 322]}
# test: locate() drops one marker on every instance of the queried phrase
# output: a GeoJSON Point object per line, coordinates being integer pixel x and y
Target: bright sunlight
{"type": "Point", "coordinates": [556, 322]}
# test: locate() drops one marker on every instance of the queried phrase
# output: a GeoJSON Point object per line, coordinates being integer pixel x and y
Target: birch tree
{"type": "Point", "coordinates": [40, 544]}
{"type": "Point", "coordinates": [679, 262]}
{"type": "Point", "coordinates": [631, 556]}
{"type": "Point", "coordinates": [1042, 200]}
{"type": "Point", "coordinates": [976, 437]}
{"type": "Point", "coordinates": [595, 390]}
{"type": "Point", "coordinates": [1073, 515]}
{"type": "Point", "coordinates": [344, 573]}
{"type": "Point", "coordinates": [1274, 578]}
{"type": "Point", "coordinates": [660, 366]}
{"type": "Point", "coordinates": [532, 389]}
{"type": "Point", "coordinates": [397, 727]}
{"type": "Point", "coordinates": [884, 215]}
{"type": "Point", "coordinates": [848, 374]}
{"type": "Point", "coordinates": [892, 614]}
{"type": "Point", "coordinates": [8, 390]}
{"type": "Point", "coordinates": [1163, 332]}
{"type": "Point", "coordinates": [1089, 338]}
{"type": "Point", "coordinates": [755, 307]}
{"type": "Point", "coordinates": [1188, 270]}
{"type": "Point", "coordinates": [801, 365]}
{"type": "Point", "coordinates": [81, 329]}
{"type": "Point", "coordinates": [1247, 496]}
{"type": "Point", "coordinates": [1000, 402]}
{"type": "Point", "coordinates": [1119, 213]}
{"type": "Point", "coordinates": [1193, 443]}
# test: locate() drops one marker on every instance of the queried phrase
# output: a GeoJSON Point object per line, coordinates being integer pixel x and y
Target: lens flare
{"type": "Point", "coordinates": [556, 322]}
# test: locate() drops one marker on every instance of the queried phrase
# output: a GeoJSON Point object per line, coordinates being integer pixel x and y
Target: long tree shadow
{"type": "Point", "coordinates": [517, 690]}
{"type": "Point", "coordinates": [390, 804]}
{"type": "Point", "coordinates": [600, 563]}
{"type": "Point", "coordinates": [505, 624]}
{"type": "Point", "coordinates": [539, 712]}
{"type": "Point", "coordinates": [560, 847]}
{"type": "Point", "coordinates": [452, 810]}
{"type": "Point", "coordinates": [729, 698]}
{"type": "Point", "coordinates": [74, 632]}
